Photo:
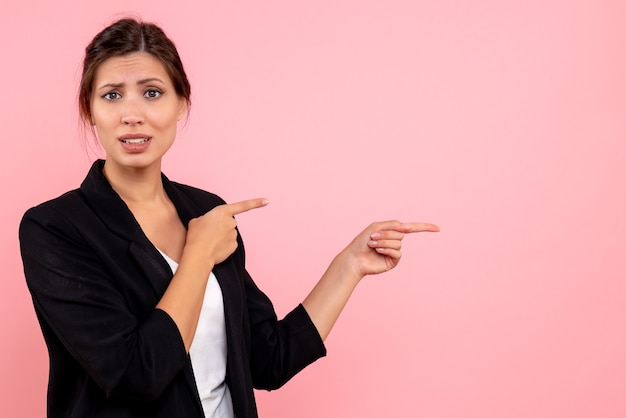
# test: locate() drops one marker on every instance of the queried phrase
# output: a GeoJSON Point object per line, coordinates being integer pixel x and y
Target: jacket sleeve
{"type": "Point", "coordinates": [80, 307]}
{"type": "Point", "coordinates": [279, 348]}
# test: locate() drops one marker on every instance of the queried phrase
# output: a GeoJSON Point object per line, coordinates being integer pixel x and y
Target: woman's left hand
{"type": "Point", "coordinates": [377, 249]}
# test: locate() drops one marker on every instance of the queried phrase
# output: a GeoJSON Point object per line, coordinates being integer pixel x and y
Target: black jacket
{"type": "Point", "coordinates": [95, 280]}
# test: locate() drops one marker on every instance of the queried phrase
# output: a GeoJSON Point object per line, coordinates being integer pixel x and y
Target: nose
{"type": "Point", "coordinates": [132, 113]}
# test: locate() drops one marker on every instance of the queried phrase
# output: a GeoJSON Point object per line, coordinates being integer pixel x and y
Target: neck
{"type": "Point", "coordinates": [136, 185]}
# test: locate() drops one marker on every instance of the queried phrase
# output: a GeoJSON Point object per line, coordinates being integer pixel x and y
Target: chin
{"type": "Point", "coordinates": [136, 162]}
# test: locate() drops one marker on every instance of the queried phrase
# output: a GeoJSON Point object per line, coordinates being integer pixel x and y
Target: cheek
{"type": "Point", "coordinates": [99, 118]}
{"type": "Point", "coordinates": [166, 120]}
{"type": "Point", "coordinates": [101, 124]}
{"type": "Point", "coordinates": [101, 131]}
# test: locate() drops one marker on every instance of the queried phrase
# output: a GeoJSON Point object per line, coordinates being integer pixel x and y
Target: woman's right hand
{"type": "Point", "coordinates": [212, 237]}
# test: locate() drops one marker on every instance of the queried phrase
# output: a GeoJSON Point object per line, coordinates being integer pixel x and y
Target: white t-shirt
{"type": "Point", "coordinates": [208, 351]}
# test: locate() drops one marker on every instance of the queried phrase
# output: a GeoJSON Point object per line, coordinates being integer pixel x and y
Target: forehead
{"type": "Point", "coordinates": [129, 68]}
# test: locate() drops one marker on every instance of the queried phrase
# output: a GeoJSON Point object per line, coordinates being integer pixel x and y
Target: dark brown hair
{"type": "Point", "coordinates": [123, 37]}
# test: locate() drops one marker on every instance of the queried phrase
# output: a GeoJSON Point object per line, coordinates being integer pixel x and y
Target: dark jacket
{"type": "Point", "coordinates": [95, 280]}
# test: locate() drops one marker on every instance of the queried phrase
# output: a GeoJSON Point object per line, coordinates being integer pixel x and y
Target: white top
{"type": "Point", "coordinates": [208, 351]}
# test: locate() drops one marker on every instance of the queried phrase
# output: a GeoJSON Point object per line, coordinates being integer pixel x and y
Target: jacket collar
{"type": "Point", "coordinates": [114, 212]}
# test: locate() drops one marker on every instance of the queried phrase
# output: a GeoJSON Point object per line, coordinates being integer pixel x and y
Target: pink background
{"type": "Point", "coordinates": [501, 121]}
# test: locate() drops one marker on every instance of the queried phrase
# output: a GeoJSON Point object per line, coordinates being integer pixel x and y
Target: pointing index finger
{"type": "Point", "coordinates": [419, 227]}
{"type": "Point", "coordinates": [246, 205]}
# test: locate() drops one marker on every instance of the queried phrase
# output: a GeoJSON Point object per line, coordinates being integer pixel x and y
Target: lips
{"type": "Point", "coordinates": [135, 142]}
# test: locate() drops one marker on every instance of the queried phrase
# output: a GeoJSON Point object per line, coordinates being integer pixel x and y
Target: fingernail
{"type": "Point", "coordinates": [375, 235]}
{"type": "Point", "coordinates": [265, 202]}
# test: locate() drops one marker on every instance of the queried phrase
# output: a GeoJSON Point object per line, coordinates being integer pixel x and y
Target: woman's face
{"type": "Point", "coordinates": [135, 110]}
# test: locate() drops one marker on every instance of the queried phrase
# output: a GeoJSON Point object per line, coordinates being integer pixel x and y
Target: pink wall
{"type": "Point", "coordinates": [503, 122]}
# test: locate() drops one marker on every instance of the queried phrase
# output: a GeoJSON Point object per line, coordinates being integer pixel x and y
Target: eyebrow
{"type": "Point", "coordinates": [140, 82]}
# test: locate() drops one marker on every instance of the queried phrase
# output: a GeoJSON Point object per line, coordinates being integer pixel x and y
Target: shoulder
{"type": "Point", "coordinates": [65, 205]}
{"type": "Point", "coordinates": [52, 223]}
{"type": "Point", "coordinates": [62, 210]}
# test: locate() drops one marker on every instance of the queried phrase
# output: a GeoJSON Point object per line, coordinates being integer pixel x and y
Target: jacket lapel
{"type": "Point", "coordinates": [118, 218]}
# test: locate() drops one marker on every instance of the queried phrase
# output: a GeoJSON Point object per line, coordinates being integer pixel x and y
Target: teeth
{"type": "Point", "coordinates": [135, 141]}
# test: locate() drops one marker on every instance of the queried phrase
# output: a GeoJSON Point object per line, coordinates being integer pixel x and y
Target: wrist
{"type": "Point", "coordinates": [347, 268]}
{"type": "Point", "coordinates": [196, 262]}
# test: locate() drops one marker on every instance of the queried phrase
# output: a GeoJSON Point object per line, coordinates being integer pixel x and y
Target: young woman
{"type": "Point", "coordinates": [139, 283]}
